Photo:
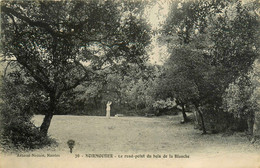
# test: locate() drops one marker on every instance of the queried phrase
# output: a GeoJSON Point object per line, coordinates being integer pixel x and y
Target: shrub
{"type": "Point", "coordinates": [241, 101]}
{"type": "Point", "coordinates": [220, 121]}
{"type": "Point", "coordinates": [165, 107]}
{"type": "Point", "coordinates": [19, 102]}
{"type": "Point", "coordinates": [24, 134]}
{"type": "Point", "coordinates": [18, 132]}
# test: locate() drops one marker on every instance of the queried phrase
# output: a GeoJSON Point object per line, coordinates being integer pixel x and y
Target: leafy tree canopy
{"type": "Point", "coordinates": [62, 44]}
{"type": "Point", "coordinates": [212, 43]}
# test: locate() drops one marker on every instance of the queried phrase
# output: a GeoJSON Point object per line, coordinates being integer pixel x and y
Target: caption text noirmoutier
{"type": "Point", "coordinates": [137, 156]}
{"type": "Point", "coordinates": [124, 156]}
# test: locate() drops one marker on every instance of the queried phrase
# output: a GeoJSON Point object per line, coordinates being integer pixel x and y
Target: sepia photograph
{"type": "Point", "coordinates": [130, 83]}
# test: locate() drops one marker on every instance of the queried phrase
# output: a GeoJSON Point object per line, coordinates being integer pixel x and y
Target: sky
{"type": "Point", "coordinates": [156, 15]}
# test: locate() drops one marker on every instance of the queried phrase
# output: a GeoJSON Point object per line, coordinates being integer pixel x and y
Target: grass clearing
{"type": "Point", "coordinates": [125, 135]}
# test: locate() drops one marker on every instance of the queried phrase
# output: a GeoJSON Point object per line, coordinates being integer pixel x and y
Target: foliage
{"type": "Point", "coordinates": [60, 45]}
{"type": "Point", "coordinates": [211, 47]}
{"type": "Point", "coordinates": [131, 94]}
{"type": "Point", "coordinates": [23, 95]}
{"type": "Point", "coordinates": [19, 102]}
{"type": "Point", "coordinates": [19, 133]}
{"type": "Point", "coordinates": [161, 104]}
{"type": "Point", "coordinates": [164, 106]}
{"type": "Point", "coordinates": [241, 100]}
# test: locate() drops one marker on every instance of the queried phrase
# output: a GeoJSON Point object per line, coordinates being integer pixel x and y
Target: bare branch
{"type": "Point", "coordinates": [45, 83]}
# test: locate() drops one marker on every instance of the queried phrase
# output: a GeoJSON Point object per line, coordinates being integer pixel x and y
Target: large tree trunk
{"type": "Point", "coordinates": [185, 118]}
{"type": "Point", "coordinates": [48, 116]}
{"type": "Point", "coordinates": [46, 124]}
{"type": "Point", "coordinates": [202, 121]}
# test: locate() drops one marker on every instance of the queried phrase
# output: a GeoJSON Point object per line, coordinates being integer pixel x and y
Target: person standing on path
{"type": "Point", "coordinates": [108, 109]}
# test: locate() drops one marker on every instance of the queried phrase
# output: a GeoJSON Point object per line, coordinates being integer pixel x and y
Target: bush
{"type": "Point", "coordinates": [240, 100]}
{"type": "Point", "coordinates": [24, 134]}
{"type": "Point", "coordinates": [19, 102]}
{"type": "Point", "coordinates": [167, 107]}
{"type": "Point", "coordinates": [220, 121]}
{"type": "Point", "coordinates": [18, 132]}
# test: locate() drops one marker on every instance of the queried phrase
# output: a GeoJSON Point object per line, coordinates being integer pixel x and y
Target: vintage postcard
{"type": "Point", "coordinates": [130, 83]}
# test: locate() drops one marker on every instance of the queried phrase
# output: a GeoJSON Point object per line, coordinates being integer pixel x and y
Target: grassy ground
{"type": "Point", "coordinates": [140, 135]}
{"type": "Point", "coordinates": [137, 135]}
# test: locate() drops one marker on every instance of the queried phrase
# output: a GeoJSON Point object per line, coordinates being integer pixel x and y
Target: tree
{"type": "Point", "coordinates": [60, 45]}
{"type": "Point", "coordinates": [210, 46]}
{"type": "Point", "coordinates": [175, 82]}
{"type": "Point", "coordinates": [241, 99]}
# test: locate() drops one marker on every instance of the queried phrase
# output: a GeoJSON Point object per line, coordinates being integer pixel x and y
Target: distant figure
{"type": "Point", "coordinates": [108, 109]}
